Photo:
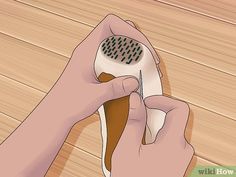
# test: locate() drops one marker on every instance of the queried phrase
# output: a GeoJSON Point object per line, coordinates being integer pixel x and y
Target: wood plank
{"type": "Point", "coordinates": [206, 90]}
{"type": "Point", "coordinates": [7, 126]}
{"type": "Point", "coordinates": [222, 9]}
{"type": "Point", "coordinates": [29, 64]}
{"type": "Point", "coordinates": [16, 99]}
{"type": "Point", "coordinates": [199, 85]}
{"type": "Point", "coordinates": [72, 161]}
{"type": "Point", "coordinates": [39, 28]}
{"type": "Point", "coordinates": [70, 157]}
{"type": "Point", "coordinates": [180, 32]}
{"type": "Point", "coordinates": [212, 135]}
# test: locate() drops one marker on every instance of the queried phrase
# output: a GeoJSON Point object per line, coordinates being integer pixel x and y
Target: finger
{"type": "Point", "coordinates": [177, 113]}
{"type": "Point", "coordinates": [134, 129]}
{"type": "Point", "coordinates": [131, 23]}
{"type": "Point", "coordinates": [119, 87]}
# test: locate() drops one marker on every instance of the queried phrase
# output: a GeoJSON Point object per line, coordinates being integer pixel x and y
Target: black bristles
{"type": "Point", "coordinates": [129, 56]}
{"type": "Point", "coordinates": [128, 62]}
{"type": "Point", "coordinates": [123, 49]}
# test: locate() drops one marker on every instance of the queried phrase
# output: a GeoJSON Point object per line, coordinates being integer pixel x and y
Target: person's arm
{"type": "Point", "coordinates": [32, 147]}
{"type": "Point", "coordinates": [168, 156]}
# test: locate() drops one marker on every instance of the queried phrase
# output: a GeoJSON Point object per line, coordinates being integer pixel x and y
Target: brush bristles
{"type": "Point", "coordinates": [122, 49]}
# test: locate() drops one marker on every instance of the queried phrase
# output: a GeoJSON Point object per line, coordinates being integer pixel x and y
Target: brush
{"type": "Point", "coordinates": [119, 56]}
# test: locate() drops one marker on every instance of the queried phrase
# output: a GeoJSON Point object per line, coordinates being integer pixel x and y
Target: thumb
{"type": "Point", "coordinates": [134, 129]}
{"type": "Point", "coordinates": [119, 87]}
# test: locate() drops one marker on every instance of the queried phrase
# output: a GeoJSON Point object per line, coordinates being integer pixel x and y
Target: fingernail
{"type": "Point", "coordinates": [134, 100]}
{"type": "Point", "coordinates": [130, 84]}
{"type": "Point", "coordinates": [131, 23]}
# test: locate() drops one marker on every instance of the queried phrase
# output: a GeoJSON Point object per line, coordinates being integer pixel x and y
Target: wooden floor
{"type": "Point", "coordinates": [196, 41]}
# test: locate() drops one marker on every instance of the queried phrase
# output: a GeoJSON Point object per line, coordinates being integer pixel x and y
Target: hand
{"type": "Point", "coordinates": [78, 94]}
{"type": "Point", "coordinates": [168, 156]}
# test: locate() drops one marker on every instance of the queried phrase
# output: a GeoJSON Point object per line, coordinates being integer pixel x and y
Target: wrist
{"type": "Point", "coordinates": [52, 111]}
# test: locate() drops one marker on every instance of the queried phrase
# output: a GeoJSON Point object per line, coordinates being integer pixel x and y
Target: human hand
{"type": "Point", "coordinates": [168, 156]}
{"type": "Point", "coordinates": [77, 94]}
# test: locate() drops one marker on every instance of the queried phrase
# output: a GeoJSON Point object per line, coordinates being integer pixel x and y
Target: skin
{"type": "Point", "coordinates": [168, 156]}
{"type": "Point", "coordinates": [32, 147]}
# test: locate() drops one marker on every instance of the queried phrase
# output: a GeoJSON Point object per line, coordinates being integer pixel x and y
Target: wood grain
{"type": "Point", "coordinates": [72, 161]}
{"type": "Point", "coordinates": [34, 66]}
{"type": "Point", "coordinates": [207, 91]}
{"type": "Point", "coordinates": [212, 135]}
{"type": "Point", "coordinates": [195, 40]}
{"type": "Point", "coordinates": [186, 34]}
{"type": "Point", "coordinates": [223, 10]}
{"type": "Point", "coordinates": [14, 95]}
